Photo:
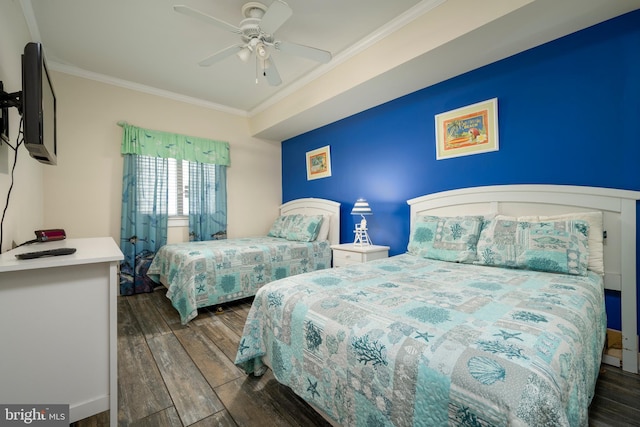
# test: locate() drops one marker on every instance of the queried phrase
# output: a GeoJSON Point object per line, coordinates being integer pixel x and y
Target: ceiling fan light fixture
{"type": "Point", "coordinates": [261, 51]}
{"type": "Point", "coordinates": [256, 32]}
{"type": "Point", "coordinates": [244, 54]}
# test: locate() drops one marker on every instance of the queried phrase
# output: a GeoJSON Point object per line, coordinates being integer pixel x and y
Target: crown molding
{"type": "Point", "coordinates": [368, 41]}
{"type": "Point", "coordinates": [79, 72]}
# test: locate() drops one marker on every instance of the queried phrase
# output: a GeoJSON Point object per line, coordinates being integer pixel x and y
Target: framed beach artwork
{"type": "Point", "coordinates": [468, 130]}
{"type": "Point", "coordinates": [318, 163]}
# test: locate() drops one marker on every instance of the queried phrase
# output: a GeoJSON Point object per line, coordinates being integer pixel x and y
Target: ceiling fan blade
{"type": "Point", "coordinates": [275, 16]}
{"type": "Point", "coordinates": [220, 55]}
{"type": "Point", "coordinates": [305, 51]}
{"type": "Point", "coordinates": [271, 72]}
{"type": "Point", "coordinates": [186, 10]}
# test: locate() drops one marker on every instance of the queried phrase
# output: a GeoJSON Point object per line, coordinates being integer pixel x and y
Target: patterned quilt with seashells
{"type": "Point", "coordinates": [408, 341]}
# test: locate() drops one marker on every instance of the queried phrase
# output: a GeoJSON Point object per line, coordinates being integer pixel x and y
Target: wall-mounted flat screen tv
{"type": "Point", "coordinates": [38, 106]}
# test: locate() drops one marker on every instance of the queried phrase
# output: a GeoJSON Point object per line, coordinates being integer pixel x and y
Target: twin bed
{"type": "Point", "coordinates": [494, 316]}
{"type": "Point", "coordinates": [209, 273]}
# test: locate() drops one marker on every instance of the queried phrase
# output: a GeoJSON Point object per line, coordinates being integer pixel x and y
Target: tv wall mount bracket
{"type": "Point", "coordinates": [8, 100]}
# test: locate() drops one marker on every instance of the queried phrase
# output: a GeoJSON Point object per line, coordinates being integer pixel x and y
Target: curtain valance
{"type": "Point", "coordinates": [153, 143]}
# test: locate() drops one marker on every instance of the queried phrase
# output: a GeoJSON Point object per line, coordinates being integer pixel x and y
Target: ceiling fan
{"type": "Point", "coordinates": [257, 33]}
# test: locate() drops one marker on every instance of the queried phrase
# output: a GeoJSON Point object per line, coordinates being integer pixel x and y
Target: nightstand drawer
{"type": "Point", "coordinates": [342, 258]}
{"type": "Point", "coordinates": [348, 253]}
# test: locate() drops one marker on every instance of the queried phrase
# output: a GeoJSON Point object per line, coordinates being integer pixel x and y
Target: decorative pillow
{"type": "Point", "coordinates": [323, 234]}
{"type": "Point", "coordinates": [596, 231]}
{"type": "Point", "coordinates": [280, 227]}
{"type": "Point", "coordinates": [553, 246]}
{"type": "Point", "coordinates": [277, 227]}
{"type": "Point", "coordinates": [445, 238]}
{"type": "Point", "coordinates": [304, 228]}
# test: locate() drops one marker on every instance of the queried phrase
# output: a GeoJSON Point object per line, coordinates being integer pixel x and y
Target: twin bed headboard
{"type": "Point", "coordinates": [315, 206]}
{"type": "Point", "coordinates": [619, 222]}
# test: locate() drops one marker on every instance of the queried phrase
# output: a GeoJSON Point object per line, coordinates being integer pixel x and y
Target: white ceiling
{"type": "Point", "coordinates": [146, 45]}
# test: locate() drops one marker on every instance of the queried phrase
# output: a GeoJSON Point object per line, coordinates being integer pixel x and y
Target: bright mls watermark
{"type": "Point", "coordinates": [34, 415]}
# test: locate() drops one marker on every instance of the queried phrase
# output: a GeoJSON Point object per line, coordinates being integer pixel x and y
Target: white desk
{"type": "Point", "coordinates": [58, 327]}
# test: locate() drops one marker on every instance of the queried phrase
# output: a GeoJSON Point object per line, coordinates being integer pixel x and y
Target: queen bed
{"type": "Point", "coordinates": [209, 273]}
{"type": "Point", "coordinates": [463, 328]}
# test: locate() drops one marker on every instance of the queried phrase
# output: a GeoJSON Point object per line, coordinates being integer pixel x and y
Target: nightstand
{"type": "Point", "coordinates": [349, 253]}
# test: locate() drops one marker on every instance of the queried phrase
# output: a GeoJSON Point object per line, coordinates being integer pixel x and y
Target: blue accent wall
{"type": "Point", "coordinates": [568, 111]}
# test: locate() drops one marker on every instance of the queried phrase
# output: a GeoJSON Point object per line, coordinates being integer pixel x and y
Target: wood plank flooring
{"type": "Point", "coordinates": [175, 375]}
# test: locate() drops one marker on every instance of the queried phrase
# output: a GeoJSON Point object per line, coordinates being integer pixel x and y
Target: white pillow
{"type": "Point", "coordinates": [596, 239]}
{"type": "Point", "coordinates": [323, 234]}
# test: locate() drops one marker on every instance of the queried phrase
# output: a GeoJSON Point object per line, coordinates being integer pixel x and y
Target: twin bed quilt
{"type": "Point", "coordinates": [408, 341]}
{"type": "Point", "coordinates": [200, 274]}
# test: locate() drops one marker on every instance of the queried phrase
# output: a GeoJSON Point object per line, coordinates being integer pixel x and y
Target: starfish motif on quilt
{"type": "Point", "coordinates": [242, 347]}
{"type": "Point", "coordinates": [313, 388]}
{"type": "Point", "coordinates": [424, 335]}
{"type": "Point", "coordinates": [508, 335]}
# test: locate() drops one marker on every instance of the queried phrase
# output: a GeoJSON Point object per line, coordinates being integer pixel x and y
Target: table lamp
{"type": "Point", "coordinates": [361, 207]}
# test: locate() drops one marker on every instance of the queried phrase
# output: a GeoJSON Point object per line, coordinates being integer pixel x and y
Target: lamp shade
{"type": "Point", "coordinates": [361, 207]}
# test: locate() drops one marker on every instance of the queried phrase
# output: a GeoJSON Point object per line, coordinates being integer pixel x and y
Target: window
{"type": "Point", "coordinates": [149, 199]}
{"type": "Point", "coordinates": [178, 204]}
{"type": "Point", "coordinates": [171, 194]}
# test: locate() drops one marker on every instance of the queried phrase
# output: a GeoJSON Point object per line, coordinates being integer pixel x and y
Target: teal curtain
{"type": "Point", "coordinates": [207, 201]}
{"type": "Point", "coordinates": [144, 218]}
{"type": "Point", "coordinates": [145, 184]}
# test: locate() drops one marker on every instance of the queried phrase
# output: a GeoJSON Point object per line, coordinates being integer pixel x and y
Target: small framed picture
{"type": "Point", "coordinates": [318, 163]}
{"type": "Point", "coordinates": [468, 130]}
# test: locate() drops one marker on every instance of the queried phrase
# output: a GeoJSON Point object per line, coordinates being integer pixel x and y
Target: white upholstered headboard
{"type": "Point", "coordinates": [619, 217]}
{"type": "Point", "coordinates": [315, 206]}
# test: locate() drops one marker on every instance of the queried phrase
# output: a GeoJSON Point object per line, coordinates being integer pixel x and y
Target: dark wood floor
{"type": "Point", "coordinates": [175, 375]}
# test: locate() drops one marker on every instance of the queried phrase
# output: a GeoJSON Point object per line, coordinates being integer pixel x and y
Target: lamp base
{"type": "Point", "coordinates": [362, 237]}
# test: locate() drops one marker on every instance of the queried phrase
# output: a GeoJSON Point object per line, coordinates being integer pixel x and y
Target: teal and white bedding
{"type": "Point", "coordinates": [409, 341]}
{"type": "Point", "coordinates": [201, 274]}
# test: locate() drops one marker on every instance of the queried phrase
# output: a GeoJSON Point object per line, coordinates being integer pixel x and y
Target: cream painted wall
{"type": "Point", "coordinates": [25, 210]}
{"type": "Point", "coordinates": [83, 192]}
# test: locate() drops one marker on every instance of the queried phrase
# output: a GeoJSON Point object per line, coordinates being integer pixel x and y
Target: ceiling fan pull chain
{"type": "Point", "coordinates": [256, 70]}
